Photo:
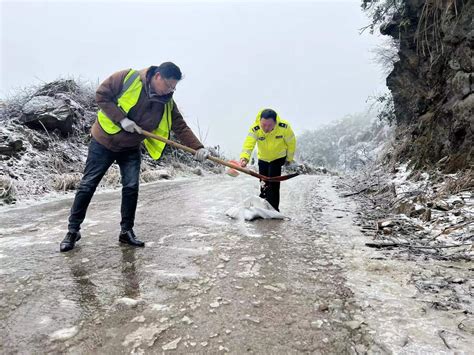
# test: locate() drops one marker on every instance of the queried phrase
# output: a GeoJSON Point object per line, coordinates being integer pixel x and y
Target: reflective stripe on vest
{"type": "Point", "coordinates": [128, 98]}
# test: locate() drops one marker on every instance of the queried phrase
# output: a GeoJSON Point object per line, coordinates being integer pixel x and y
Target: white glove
{"type": "Point", "coordinates": [130, 126]}
{"type": "Point", "coordinates": [202, 154]}
{"type": "Point", "coordinates": [291, 164]}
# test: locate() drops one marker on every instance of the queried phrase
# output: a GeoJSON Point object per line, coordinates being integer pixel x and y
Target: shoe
{"type": "Point", "coordinates": [69, 241]}
{"type": "Point", "coordinates": [128, 237]}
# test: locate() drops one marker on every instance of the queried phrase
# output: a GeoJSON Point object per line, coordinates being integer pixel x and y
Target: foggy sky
{"type": "Point", "coordinates": [304, 59]}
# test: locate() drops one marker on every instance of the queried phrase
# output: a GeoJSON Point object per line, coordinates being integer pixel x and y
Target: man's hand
{"type": "Point", "coordinates": [243, 162]}
{"type": "Point", "coordinates": [202, 154]}
{"type": "Point", "coordinates": [290, 164]}
{"type": "Point", "coordinates": [130, 126]}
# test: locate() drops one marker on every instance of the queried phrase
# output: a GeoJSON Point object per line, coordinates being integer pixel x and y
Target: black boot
{"type": "Point", "coordinates": [128, 237]}
{"type": "Point", "coordinates": [69, 241]}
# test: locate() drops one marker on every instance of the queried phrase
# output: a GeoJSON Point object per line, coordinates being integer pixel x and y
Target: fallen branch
{"type": "Point", "coordinates": [440, 333]}
{"type": "Point", "coordinates": [450, 229]}
{"type": "Point", "coordinates": [340, 209]}
{"type": "Point", "coordinates": [388, 245]}
{"type": "Point", "coordinates": [359, 192]}
{"type": "Point", "coordinates": [440, 246]}
{"type": "Point", "coordinates": [455, 227]}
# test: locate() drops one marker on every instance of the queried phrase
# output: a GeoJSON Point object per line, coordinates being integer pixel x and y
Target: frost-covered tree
{"type": "Point", "coordinates": [348, 144]}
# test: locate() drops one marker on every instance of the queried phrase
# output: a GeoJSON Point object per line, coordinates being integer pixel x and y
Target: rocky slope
{"type": "Point", "coordinates": [432, 83]}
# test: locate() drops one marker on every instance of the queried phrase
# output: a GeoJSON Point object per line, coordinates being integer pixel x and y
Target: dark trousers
{"type": "Point", "coordinates": [270, 191]}
{"type": "Point", "coordinates": [99, 160]}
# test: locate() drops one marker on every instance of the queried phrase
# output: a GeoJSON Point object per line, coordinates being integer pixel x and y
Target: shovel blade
{"type": "Point", "coordinates": [233, 172]}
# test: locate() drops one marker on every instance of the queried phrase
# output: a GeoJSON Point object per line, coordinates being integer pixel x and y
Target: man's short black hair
{"type": "Point", "coordinates": [269, 113]}
{"type": "Point", "coordinates": [169, 70]}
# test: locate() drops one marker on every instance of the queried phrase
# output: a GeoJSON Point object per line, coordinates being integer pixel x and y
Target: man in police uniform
{"type": "Point", "coordinates": [276, 144]}
{"type": "Point", "coordinates": [129, 101]}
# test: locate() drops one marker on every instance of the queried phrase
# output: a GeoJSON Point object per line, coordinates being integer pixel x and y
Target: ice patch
{"type": "Point", "coordinates": [68, 304]}
{"type": "Point", "coordinates": [197, 234]}
{"type": "Point", "coordinates": [162, 239]}
{"type": "Point", "coordinates": [127, 302]}
{"type": "Point", "coordinates": [64, 334]}
{"type": "Point", "coordinates": [160, 307]}
{"type": "Point", "coordinates": [145, 335]}
{"type": "Point", "coordinates": [45, 320]}
{"type": "Point", "coordinates": [254, 208]}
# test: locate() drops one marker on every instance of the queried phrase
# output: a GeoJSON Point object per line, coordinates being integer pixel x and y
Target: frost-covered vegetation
{"type": "Point", "coordinates": [348, 144]}
{"type": "Point", "coordinates": [44, 134]}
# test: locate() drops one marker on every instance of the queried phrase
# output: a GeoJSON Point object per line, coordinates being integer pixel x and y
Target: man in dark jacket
{"type": "Point", "coordinates": [129, 101]}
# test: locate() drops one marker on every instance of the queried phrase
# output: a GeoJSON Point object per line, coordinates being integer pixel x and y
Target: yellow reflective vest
{"type": "Point", "coordinates": [132, 87]}
{"type": "Point", "coordinates": [279, 143]}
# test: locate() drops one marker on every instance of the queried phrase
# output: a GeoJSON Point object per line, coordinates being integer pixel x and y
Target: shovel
{"type": "Point", "coordinates": [221, 162]}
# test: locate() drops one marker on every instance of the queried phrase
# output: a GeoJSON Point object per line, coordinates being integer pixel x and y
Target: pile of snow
{"type": "Point", "coordinates": [253, 208]}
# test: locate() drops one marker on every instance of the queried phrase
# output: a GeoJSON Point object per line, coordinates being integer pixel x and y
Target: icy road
{"type": "Point", "coordinates": [205, 283]}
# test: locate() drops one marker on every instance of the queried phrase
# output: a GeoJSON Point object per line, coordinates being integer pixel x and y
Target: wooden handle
{"type": "Point", "coordinates": [214, 159]}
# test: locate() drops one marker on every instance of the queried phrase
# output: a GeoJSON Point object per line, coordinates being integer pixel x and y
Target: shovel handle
{"type": "Point", "coordinates": [214, 159]}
